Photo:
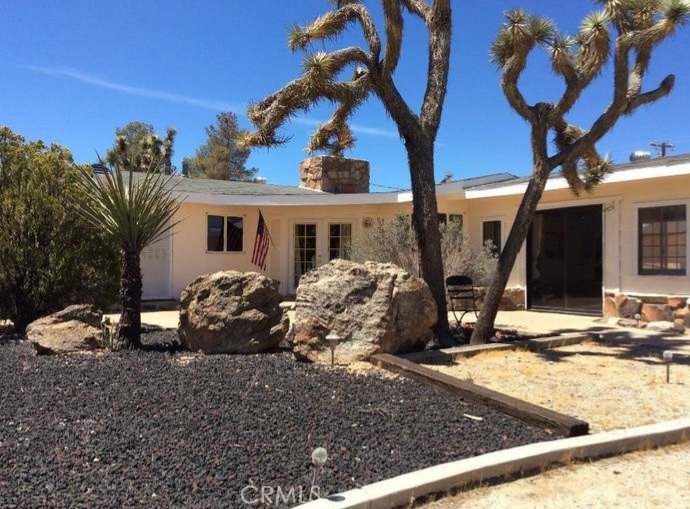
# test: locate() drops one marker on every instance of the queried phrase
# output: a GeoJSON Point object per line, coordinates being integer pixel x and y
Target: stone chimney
{"type": "Point", "coordinates": [333, 174]}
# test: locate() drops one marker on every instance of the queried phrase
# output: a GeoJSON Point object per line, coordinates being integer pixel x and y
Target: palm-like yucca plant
{"type": "Point", "coordinates": [136, 210]}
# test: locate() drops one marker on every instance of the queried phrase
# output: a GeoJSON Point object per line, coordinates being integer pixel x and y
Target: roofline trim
{"type": "Point", "coordinates": [629, 173]}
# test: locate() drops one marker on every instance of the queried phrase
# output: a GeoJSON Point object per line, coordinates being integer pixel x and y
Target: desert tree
{"type": "Point", "coordinates": [371, 69]}
{"type": "Point", "coordinates": [49, 256]}
{"type": "Point", "coordinates": [222, 157]}
{"type": "Point", "coordinates": [135, 210]}
{"type": "Point", "coordinates": [624, 31]}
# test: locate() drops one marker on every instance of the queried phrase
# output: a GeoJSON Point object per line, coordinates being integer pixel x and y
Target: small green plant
{"type": "Point", "coordinates": [110, 332]}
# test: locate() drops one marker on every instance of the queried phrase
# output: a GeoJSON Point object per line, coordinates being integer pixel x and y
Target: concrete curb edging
{"type": "Point", "coordinates": [403, 489]}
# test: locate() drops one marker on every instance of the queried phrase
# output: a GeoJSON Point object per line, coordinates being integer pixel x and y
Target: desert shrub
{"type": "Point", "coordinates": [49, 256]}
{"type": "Point", "coordinates": [393, 241]}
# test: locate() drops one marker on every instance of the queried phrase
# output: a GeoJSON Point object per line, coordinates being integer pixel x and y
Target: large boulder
{"type": "Point", "coordinates": [76, 328]}
{"type": "Point", "coordinates": [628, 307]}
{"type": "Point", "coordinates": [373, 307]}
{"type": "Point", "coordinates": [232, 312]}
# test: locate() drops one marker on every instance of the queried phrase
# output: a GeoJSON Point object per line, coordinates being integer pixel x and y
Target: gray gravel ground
{"type": "Point", "coordinates": [153, 429]}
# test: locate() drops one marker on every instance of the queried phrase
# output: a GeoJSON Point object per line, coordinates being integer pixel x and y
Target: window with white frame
{"type": "Point", "coordinates": [224, 234]}
{"type": "Point", "coordinates": [339, 241]}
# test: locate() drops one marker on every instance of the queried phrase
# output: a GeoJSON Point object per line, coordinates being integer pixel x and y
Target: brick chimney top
{"type": "Point", "coordinates": [333, 174]}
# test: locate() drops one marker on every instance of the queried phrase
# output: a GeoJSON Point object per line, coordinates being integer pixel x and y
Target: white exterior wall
{"type": "Point", "coordinates": [189, 257]}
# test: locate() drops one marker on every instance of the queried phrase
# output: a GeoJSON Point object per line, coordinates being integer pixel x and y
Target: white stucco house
{"type": "Point", "coordinates": [628, 237]}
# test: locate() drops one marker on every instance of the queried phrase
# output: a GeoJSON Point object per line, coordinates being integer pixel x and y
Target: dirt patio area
{"type": "Point", "coordinates": [610, 386]}
{"type": "Point", "coordinates": [659, 478]}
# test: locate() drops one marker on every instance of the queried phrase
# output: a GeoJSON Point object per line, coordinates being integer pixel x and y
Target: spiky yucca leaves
{"type": "Point", "coordinates": [135, 211]}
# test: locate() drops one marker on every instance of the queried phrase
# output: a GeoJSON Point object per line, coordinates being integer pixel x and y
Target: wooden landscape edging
{"type": "Point", "coordinates": [527, 412]}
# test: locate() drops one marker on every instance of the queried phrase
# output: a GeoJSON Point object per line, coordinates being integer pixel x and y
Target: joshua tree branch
{"type": "Point", "coordinates": [394, 27]}
{"type": "Point", "coordinates": [607, 119]}
{"type": "Point", "coordinates": [660, 92]}
{"type": "Point", "coordinates": [512, 70]}
{"type": "Point", "coordinates": [333, 23]}
{"type": "Point", "coordinates": [439, 64]}
{"type": "Point", "coordinates": [418, 7]}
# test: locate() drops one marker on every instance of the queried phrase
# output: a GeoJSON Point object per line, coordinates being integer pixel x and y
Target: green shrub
{"type": "Point", "coordinates": [393, 241]}
{"type": "Point", "coordinates": [49, 256]}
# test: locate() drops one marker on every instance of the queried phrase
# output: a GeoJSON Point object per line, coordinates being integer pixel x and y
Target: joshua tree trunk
{"type": "Point", "coordinates": [518, 233]}
{"type": "Point", "coordinates": [129, 336]}
{"type": "Point", "coordinates": [425, 219]}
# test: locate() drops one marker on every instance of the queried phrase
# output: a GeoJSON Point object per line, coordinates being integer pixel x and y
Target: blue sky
{"type": "Point", "coordinates": [74, 70]}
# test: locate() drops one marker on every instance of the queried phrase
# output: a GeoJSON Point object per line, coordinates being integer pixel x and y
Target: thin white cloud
{"type": "Point", "coordinates": [357, 128]}
{"type": "Point", "coordinates": [65, 72]}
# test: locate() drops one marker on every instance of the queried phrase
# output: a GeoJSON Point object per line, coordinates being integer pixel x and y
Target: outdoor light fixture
{"type": "Point", "coordinates": [638, 317]}
{"type": "Point", "coordinates": [668, 358]}
{"type": "Point", "coordinates": [333, 339]}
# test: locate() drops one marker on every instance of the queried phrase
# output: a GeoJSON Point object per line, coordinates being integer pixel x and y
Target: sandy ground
{"type": "Point", "coordinates": [609, 386]}
{"type": "Point", "coordinates": [659, 478]}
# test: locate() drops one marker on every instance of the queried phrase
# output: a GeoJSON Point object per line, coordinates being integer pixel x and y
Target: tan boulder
{"type": "Point", "coordinates": [657, 313]}
{"type": "Point", "coordinates": [678, 302]}
{"type": "Point", "coordinates": [74, 329]}
{"type": "Point", "coordinates": [374, 307]}
{"type": "Point", "coordinates": [232, 312]}
{"type": "Point", "coordinates": [610, 307]}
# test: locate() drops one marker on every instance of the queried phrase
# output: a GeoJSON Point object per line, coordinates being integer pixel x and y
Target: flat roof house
{"type": "Point", "coordinates": [629, 236]}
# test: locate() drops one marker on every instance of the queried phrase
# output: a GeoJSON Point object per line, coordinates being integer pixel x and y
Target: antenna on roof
{"type": "Point", "coordinates": [663, 147]}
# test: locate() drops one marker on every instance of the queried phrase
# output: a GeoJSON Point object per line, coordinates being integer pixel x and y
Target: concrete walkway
{"type": "Point", "coordinates": [162, 319]}
{"type": "Point", "coordinates": [536, 322]}
{"type": "Point", "coordinates": [540, 323]}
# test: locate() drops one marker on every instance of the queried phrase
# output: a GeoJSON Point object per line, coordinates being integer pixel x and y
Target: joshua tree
{"type": "Point", "coordinates": [373, 69]}
{"type": "Point", "coordinates": [639, 26]}
{"type": "Point", "coordinates": [143, 146]}
{"type": "Point", "coordinates": [135, 211]}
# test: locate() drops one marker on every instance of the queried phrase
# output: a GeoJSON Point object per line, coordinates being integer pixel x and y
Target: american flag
{"type": "Point", "coordinates": [261, 244]}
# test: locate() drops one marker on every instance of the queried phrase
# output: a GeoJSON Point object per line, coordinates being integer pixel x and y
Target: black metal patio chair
{"type": "Point", "coordinates": [461, 291]}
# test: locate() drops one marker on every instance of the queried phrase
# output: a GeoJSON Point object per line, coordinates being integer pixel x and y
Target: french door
{"type": "Point", "coordinates": [313, 243]}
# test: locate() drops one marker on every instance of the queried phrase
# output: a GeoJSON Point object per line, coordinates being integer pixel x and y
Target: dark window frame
{"type": "Point", "coordinates": [225, 242]}
{"type": "Point", "coordinates": [663, 270]}
{"type": "Point", "coordinates": [498, 246]}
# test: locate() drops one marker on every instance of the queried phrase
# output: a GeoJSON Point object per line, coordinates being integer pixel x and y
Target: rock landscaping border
{"type": "Point", "coordinates": [525, 460]}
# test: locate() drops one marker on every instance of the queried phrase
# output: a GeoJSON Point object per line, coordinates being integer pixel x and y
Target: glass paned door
{"type": "Point", "coordinates": [564, 260]}
{"type": "Point", "coordinates": [305, 250]}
